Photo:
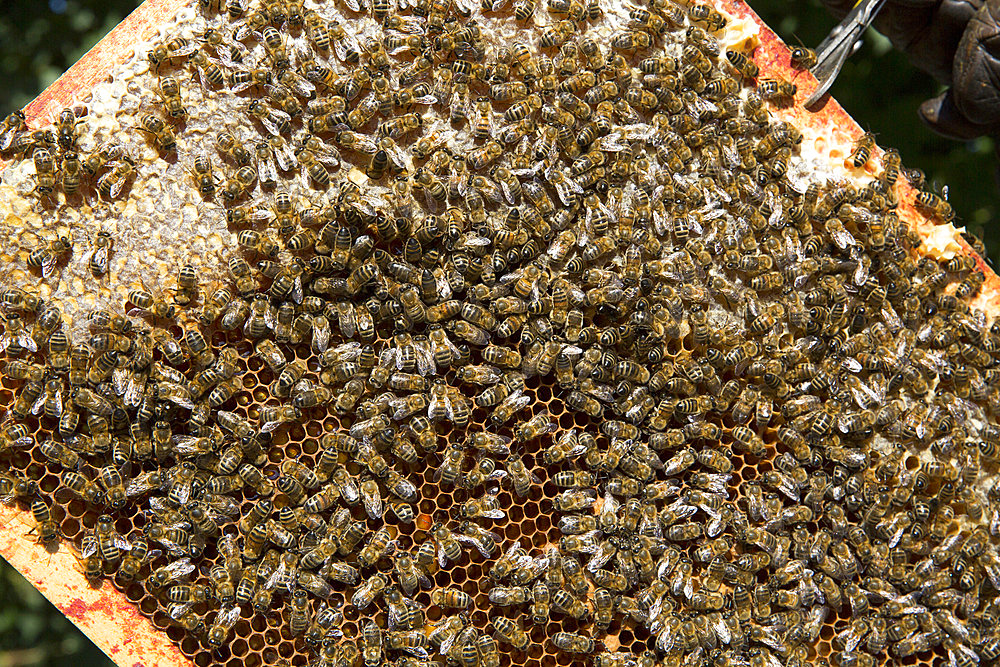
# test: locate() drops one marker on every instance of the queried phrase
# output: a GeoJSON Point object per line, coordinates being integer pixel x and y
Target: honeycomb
{"type": "Point", "coordinates": [563, 350]}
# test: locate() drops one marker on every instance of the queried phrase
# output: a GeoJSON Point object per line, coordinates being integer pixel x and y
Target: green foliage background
{"type": "Point", "coordinates": [39, 40]}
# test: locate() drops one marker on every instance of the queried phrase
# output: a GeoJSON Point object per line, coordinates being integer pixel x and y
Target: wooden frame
{"type": "Point", "coordinates": [104, 614]}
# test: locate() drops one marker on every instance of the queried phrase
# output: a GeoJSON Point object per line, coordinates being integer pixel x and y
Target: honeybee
{"type": "Point", "coordinates": [45, 526]}
{"type": "Point", "coordinates": [451, 597]}
{"type": "Point", "coordinates": [936, 204]}
{"type": "Point", "coordinates": [225, 620]}
{"type": "Point", "coordinates": [803, 58]}
{"type": "Point", "coordinates": [146, 303]}
{"type": "Point", "coordinates": [239, 184]}
{"type": "Point", "coordinates": [510, 632]}
{"type": "Point", "coordinates": [12, 126]}
{"type": "Point", "coordinates": [46, 255]}
{"type": "Point", "coordinates": [486, 507]}
{"type": "Point", "coordinates": [169, 91]}
{"type": "Point", "coordinates": [228, 145]}
{"type": "Point", "coordinates": [203, 176]}
{"type": "Point", "coordinates": [162, 135]}
{"type": "Point", "coordinates": [177, 48]}
{"type": "Point", "coordinates": [171, 572]}
{"type": "Point", "coordinates": [521, 478]}
{"type": "Point", "coordinates": [776, 90]}
{"type": "Point", "coordinates": [448, 547]}
{"type": "Point", "coordinates": [368, 590]}
{"type": "Point", "coordinates": [862, 150]}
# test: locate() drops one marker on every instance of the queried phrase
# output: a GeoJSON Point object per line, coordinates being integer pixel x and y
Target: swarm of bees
{"type": "Point", "coordinates": [755, 424]}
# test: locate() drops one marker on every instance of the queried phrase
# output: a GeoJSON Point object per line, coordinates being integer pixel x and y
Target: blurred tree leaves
{"type": "Point", "coordinates": [33, 633]}
{"type": "Point", "coordinates": [40, 39]}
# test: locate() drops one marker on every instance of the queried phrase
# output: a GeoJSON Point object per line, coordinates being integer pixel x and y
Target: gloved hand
{"type": "Point", "coordinates": [958, 43]}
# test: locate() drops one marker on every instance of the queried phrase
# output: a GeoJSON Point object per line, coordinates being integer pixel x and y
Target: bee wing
{"type": "Point", "coordinates": [116, 187]}
{"type": "Point", "coordinates": [269, 427]}
{"type": "Point", "coordinates": [181, 400]}
{"type": "Point", "coordinates": [441, 556]}
{"type": "Point", "coordinates": [133, 392]}
{"type": "Point", "coordinates": [405, 489]}
{"type": "Point", "coordinates": [226, 55]}
{"type": "Point", "coordinates": [99, 259]}
{"type": "Point", "coordinates": [39, 404]}
{"type": "Point", "coordinates": [491, 190]}
{"type": "Point", "coordinates": [221, 506]}
{"type": "Point", "coordinates": [299, 85]}
{"type": "Point", "coordinates": [179, 568]}
{"type": "Point", "coordinates": [396, 154]}
{"type": "Point", "coordinates": [49, 262]}
{"type": "Point", "coordinates": [449, 409]}
{"type": "Point", "coordinates": [366, 144]}
{"type": "Point", "coordinates": [342, 47]}
{"type": "Point", "coordinates": [786, 486]}
{"type": "Point", "coordinates": [228, 616]}
{"type": "Point", "coordinates": [373, 504]}
{"type": "Point", "coordinates": [58, 403]}
{"type": "Point", "coordinates": [435, 404]}
{"type": "Point", "coordinates": [399, 408]}
{"type": "Point", "coordinates": [448, 643]}
{"type": "Point", "coordinates": [119, 379]}
{"type": "Point", "coordinates": [240, 86]}
{"type": "Point", "coordinates": [178, 610]}
{"type": "Point", "coordinates": [88, 547]}
{"type": "Point", "coordinates": [425, 358]}
{"type": "Point", "coordinates": [321, 337]}
{"type": "Point", "coordinates": [270, 318]}
{"type": "Point", "coordinates": [269, 124]}
{"type": "Point", "coordinates": [329, 156]}
{"type": "Point", "coordinates": [187, 445]}
{"type": "Point", "coordinates": [7, 138]}
{"type": "Point", "coordinates": [722, 631]}
{"type": "Point", "coordinates": [613, 143]}
{"type": "Point", "coordinates": [297, 290]}
{"type": "Point", "coordinates": [508, 193]}
{"type": "Point", "coordinates": [284, 156]}
{"type": "Point", "coordinates": [410, 25]}
{"type": "Point", "coordinates": [842, 238]}
{"type": "Point", "coordinates": [493, 514]}
{"type": "Point", "coordinates": [478, 544]}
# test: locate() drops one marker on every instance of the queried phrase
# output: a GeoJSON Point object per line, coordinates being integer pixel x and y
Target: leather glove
{"type": "Point", "coordinates": [958, 43]}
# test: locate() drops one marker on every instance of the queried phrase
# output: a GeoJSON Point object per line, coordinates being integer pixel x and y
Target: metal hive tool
{"type": "Point", "coordinates": [673, 300]}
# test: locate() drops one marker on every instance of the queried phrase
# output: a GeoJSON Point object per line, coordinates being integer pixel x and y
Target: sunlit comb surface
{"type": "Point", "coordinates": [339, 334]}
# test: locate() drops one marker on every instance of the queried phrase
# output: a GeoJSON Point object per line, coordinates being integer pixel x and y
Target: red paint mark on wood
{"type": "Point", "coordinates": [76, 609]}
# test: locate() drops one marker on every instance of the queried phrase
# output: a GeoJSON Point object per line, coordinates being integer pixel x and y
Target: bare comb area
{"type": "Point", "coordinates": [493, 335]}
